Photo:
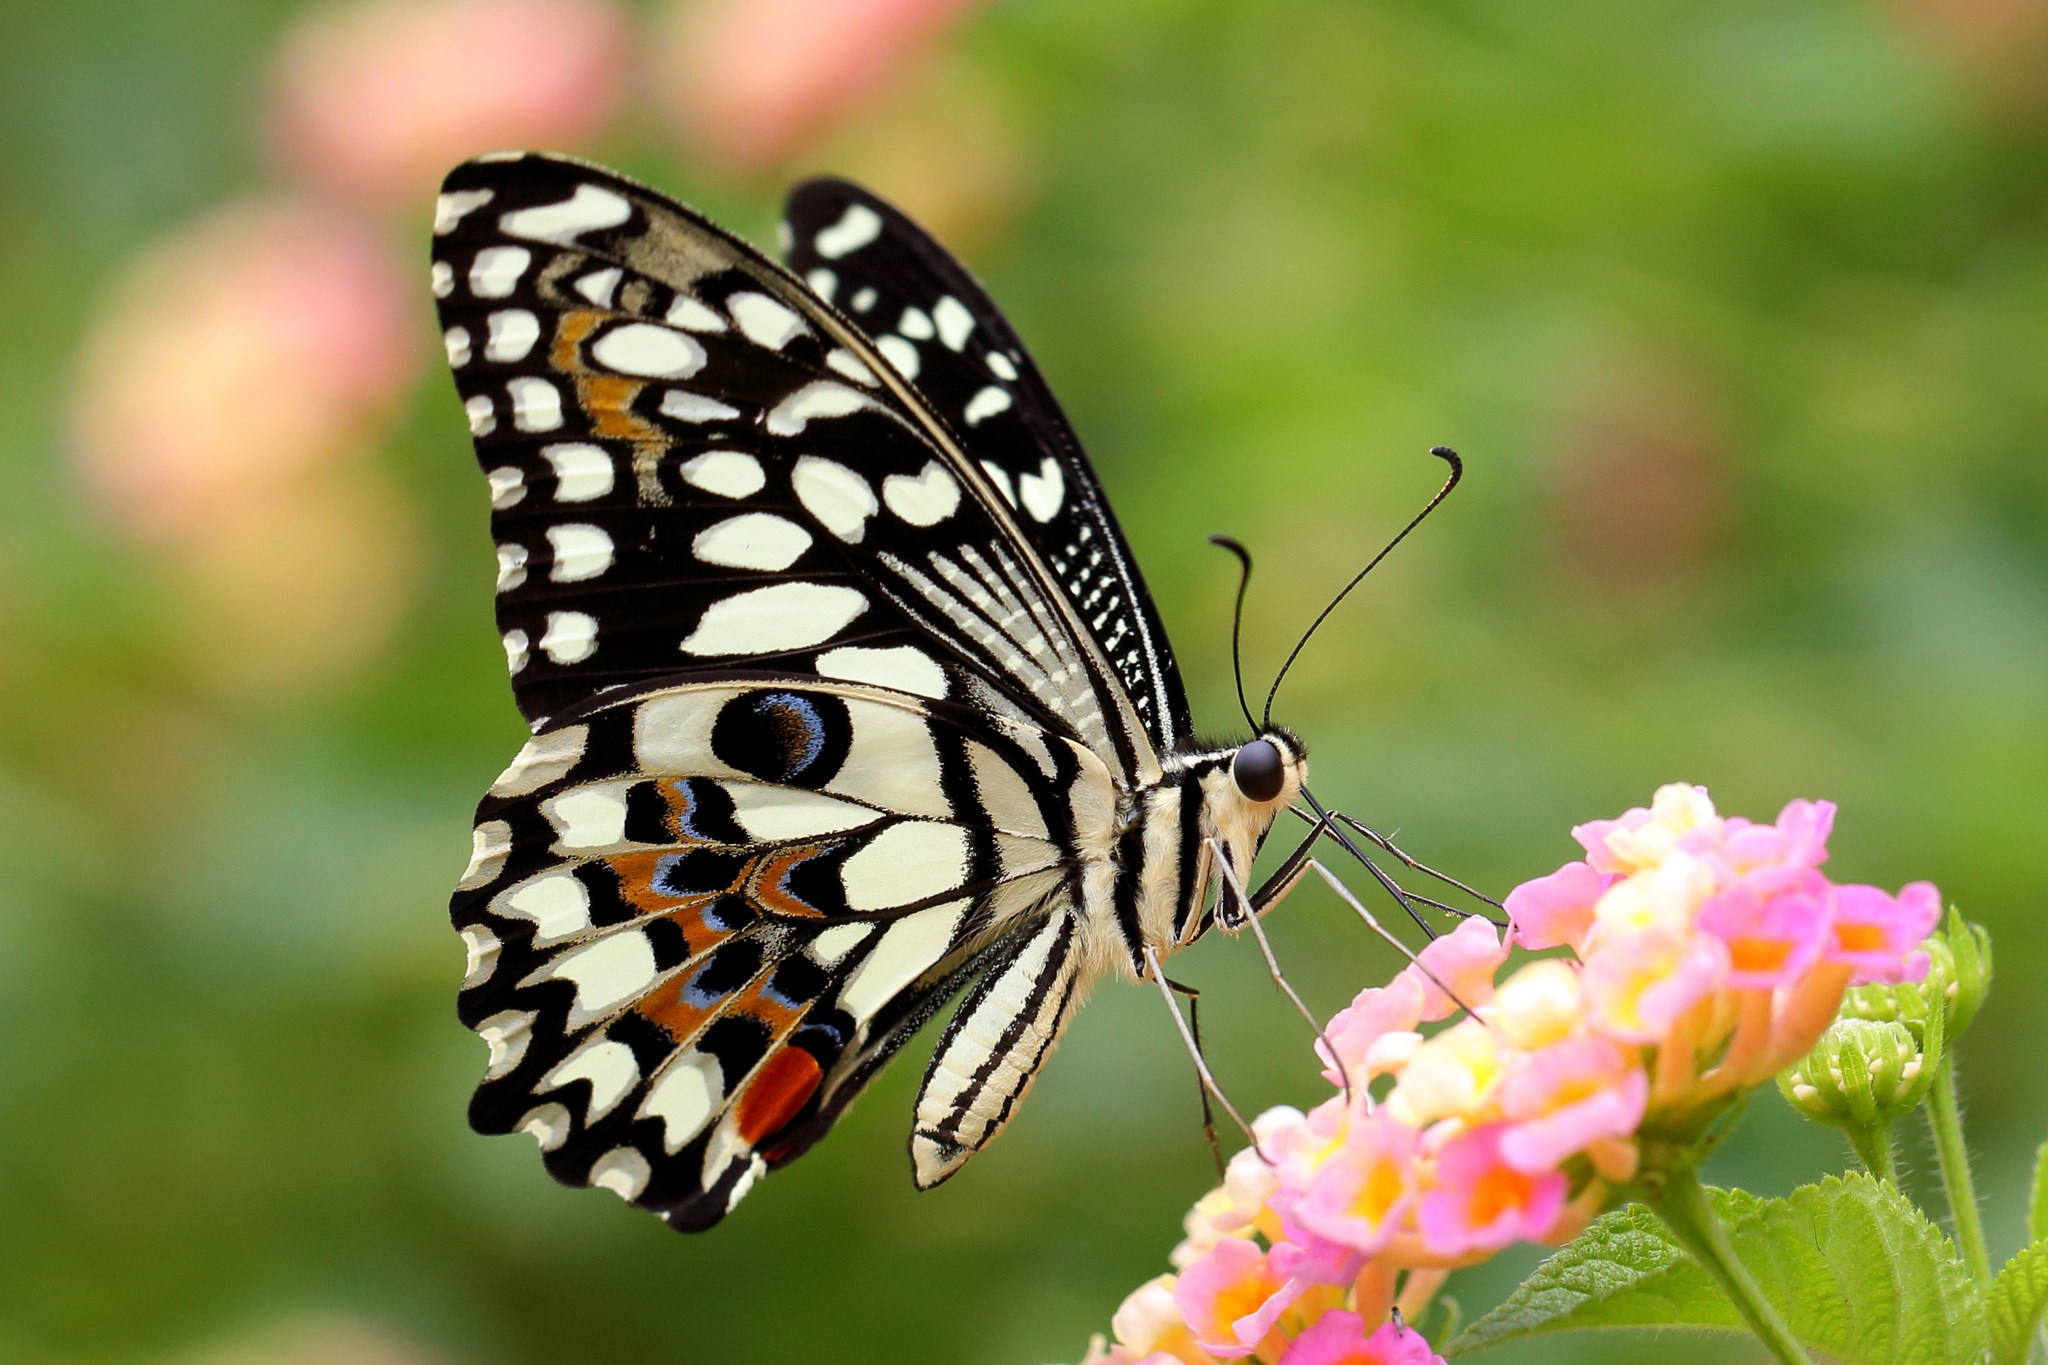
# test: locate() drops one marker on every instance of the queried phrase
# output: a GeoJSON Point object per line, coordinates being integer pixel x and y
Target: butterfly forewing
{"type": "Point", "coordinates": [938, 328]}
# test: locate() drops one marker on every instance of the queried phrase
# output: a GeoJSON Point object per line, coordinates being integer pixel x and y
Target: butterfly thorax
{"type": "Point", "coordinates": [1149, 887]}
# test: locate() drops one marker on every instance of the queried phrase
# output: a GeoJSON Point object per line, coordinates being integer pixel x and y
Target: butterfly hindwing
{"type": "Point", "coordinates": [701, 915]}
{"type": "Point", "coordinates": [937, 326]}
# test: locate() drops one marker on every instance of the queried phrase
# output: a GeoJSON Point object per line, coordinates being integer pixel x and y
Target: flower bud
{"type": "Point", "coordinates": [1968, 946]}
{"type": "Point", "coordinates": [1863, 1072]}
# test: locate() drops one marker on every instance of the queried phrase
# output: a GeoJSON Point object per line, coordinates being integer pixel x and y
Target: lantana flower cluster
{"type": "Point", "coordinates": [1706, 953]}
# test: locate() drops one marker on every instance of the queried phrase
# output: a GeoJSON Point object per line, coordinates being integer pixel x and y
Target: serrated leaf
{"type": "Point", "coordinates": [2018, 1296]}
{"type": "Point", "coordinates": [1857, 1271]}
{"type": "Point", "coordinates": [2037, 1207]}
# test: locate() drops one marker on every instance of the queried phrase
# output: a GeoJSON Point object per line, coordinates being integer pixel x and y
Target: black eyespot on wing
{"type": "Point", "coordinates": [797, 739]}
{"type": "Point", "coordinates": [1258, 770]}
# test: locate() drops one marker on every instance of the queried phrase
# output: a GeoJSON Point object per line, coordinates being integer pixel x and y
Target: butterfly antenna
{"type": "Point", "coordinates": [1449, 457]}
{"type": "Point", "coordinates": [1244, 581]}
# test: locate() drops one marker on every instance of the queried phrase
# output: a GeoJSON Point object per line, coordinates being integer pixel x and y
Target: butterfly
{"type": "Point", "coordinates": [846, 695]}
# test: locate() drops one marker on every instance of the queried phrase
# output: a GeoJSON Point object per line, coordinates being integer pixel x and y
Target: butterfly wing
{"type": "Point", "coordinates": [695, 462]}
{"type": "Point", "coordinates": [938, 327]}
{"type": "Point", "coordinates": [701, 915]}
{"type": "Point", "coordinates": [721, 514]}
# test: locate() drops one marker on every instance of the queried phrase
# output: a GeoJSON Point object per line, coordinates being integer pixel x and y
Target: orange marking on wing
{"type": "Point", "coordinates": [676, 792]}
{"type": "Point", "coordinates": [778, 1090]}
{"type": "Point", "coordinates": [766, 875]}
{"type": "Point", "coordinates": [667, 1006]}
{"type": "Point", "coordinates": [635, 872]}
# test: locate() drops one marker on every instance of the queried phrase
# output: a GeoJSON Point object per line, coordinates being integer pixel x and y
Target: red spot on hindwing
{"type": "Point", "coordinates": [785, 1081]}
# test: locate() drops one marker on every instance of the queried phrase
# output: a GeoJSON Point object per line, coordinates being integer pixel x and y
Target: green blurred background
{"type": "Point", "coordinates": [1738, 312]}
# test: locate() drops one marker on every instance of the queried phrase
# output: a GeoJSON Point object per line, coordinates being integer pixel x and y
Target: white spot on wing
{"type": "Point", "coordinates": [545, 758]}
{"type": "Point", "coordinates": [443, 277]}
{"type": "Point", "coordinates": [511, 566]}
{"type": "Point", "coordinates": [490, 843]}
{"type": "Point", "coordinates": [778, 813]}
{"type": "Point", "coordinates": [591, 207]}
{"type": "Point", "coordinates": [693, 314]}
{"type": "Point", "coordinates": [556, 902]}
{"type": "Point", "coordinates": [906, 863]}
{"type": "Point", "coordinates": [599, 285]}
{"type": "Point", "coordinates": [1000, 477]}
{"type": "Point", "coordinates": [581, 551]}
{"type": "Point", "coordinates": [1043, 492]}
{"type": "Point", "coordinates": [753, 540]}
{"type": "Point", "coordinates": [480, 947]}
{"type": "Point", "coordinates": [685, 406]}
{"type": "Point", "coordinates": [456, 339]}
{"type": "Point", "coordinates": [588, 817]}
{"type": "Point", "coordinates": [840, 499]}
{"type": "Point", "coordinates": [893, 762]}
{"type": "Point", "coordinates": [856, 227]}
{"type": "Point", "coordinates": [608, 972]}
{"type": "Point", "coordinates": [830, 948]}
{"type": "Point", "coordinates": [571, 637]}
{"type": "Point", "coordinates": [1001, 366]}
{"type": "Point", "coordinates": [642, 348]}
{"type": "Point", "coordinates": [903, 667]}
{"type": "Point", "coordinates": [684, 1098]}
{"type": "Point", "coordinates": [495, 272]}
{"type": "Point", "coordinates": [926, 500]}
{"type": "Point", "coordinates": [482, 413]}
{"type": "Point", "coordinates": [506, 1034]}
{"type": "Point", "coordinates": [847, 363]}
{"type": "Point", "coordinates": [622, 1170]}
{"type": "Point", "coordinates": [513, 332]}
{"type": "Point", "coordinates": [536, 404]}
{"type": "Point", "coordinates": [917, 325]}
{"type": "Point", "coordinates": [728, 473]}
{"type": "Point", "coordinates": [955, 323]}
{"type": "Point", "coordinates": [548, 1124]}
{"type": "Point", "coordinates": [609, 1067]}
{"type": "Point", "coordinates": [985, 404]}
{"type": "Point", "coordinates": [764, 321]}
{"type": "Point", "coordinates": [783, 616]}
{"type": "Point", "coordinates": [822, 282]}
{"type": "Point", "coordinates": [907, 951]}
{"type": "Point", "coordinates": [582, 472]}
{"type": "Point", "coordinates": [821, 398]}
{"type": "Point", "coordinates": [898, 353]}
{"type": "Point", "coordinates": [515, 650]}
{"type": "Point", "coordinates": [508, 486]}
{"type": "Point", "coordinates": [863, 300]}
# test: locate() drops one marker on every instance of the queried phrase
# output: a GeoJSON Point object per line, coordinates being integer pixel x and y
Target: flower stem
{"type": "Point", "coordinates": [1873, 1144]}
{"type": "Point", "coordinates": [1945, 1119]}
{"type": "Point", "coordinates": [1686, 1210]}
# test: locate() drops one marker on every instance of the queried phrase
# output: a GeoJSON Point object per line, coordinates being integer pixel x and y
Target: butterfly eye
{"type": "Point", "coordinates": [1258, 770]}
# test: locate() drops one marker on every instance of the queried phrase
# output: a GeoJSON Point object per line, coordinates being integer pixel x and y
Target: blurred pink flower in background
{"type": "Point", "coordinates": [377, 100]}
{"type": "Point", "coordinates": [226, 399]}
{"type": "Point", "coordinates": [749, 82]}
{"type": "Point", "coordinates": [264, 340]}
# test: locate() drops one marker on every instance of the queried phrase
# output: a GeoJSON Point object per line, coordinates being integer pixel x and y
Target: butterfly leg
{"type": "Point", "coordinates": [1194, 999]}
{"type": "Point", "coordinates": [1158, 974]}
{"type": "Point", "coordinates": [1251, 922]}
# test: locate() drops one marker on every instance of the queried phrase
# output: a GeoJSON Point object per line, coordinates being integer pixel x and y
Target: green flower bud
{"type": "Point", "coordinates": [1863, 1073]}
{"type": "Point", "coordinates": [1968, 949]}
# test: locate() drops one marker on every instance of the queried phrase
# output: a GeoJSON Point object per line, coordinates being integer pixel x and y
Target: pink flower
{"type": "Point", "coordinates": [259, 344]}
{"type": "Point", "coordinates": [1540, 1004]}
{"type": "Point", "coordinates": [1480, 1202]}
{"type": "Point", "coordinates": [1798, 840]}
{"type": "Point", "coordinates": [1463, 961]}
{"type": "Point", "coordinates": [1568, 1096]}
{"type": "Point", "coordinates": [1556, 911]}
{"type": "Point", "coordinates": [1338, 1338]}
{"type": "Point", "coordinates": [1355, 1031]}
{"type": "Point", "coordinates": [1875, 932]}
{"type": "Point", "coordinates": [1643, 838]}
{"type": "Point", "coordinates": [750, 82]}
{"type": "Point", "coordinates": [1231, 1297]}
{"type": "Point", "coordinates": [1358, 1197]}
{"type": "Point", "coordinates": [1640, 981]}
{"type": "Point", "coordinates": [1772, 939]}
{"type": "Point", "coordinates": [377, 99]}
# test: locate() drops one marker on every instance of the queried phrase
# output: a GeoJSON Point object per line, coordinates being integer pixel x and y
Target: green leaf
{"type": "Point", "coordinates": [1856, 1270]}
{"type": "Point", "coordinates": [2037, 1208]}
{"type": "Point", "coordinates": [2018, 1296]}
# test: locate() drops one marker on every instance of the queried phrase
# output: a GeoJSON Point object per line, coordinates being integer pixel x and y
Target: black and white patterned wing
{"type": "Point", "coordinates": [700, 916]}
{"type": "Point", "coordinates": [696, 463]}
{"type": "Point", "coordinates": [939, 329]}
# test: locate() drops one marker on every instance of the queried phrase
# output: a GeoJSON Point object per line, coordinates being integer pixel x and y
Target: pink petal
{"type": "Point", "coordinates": [1557, 910]}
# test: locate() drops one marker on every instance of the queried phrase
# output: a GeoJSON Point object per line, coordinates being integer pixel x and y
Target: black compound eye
{"type": "Point", "coordinates": [1258, 770]}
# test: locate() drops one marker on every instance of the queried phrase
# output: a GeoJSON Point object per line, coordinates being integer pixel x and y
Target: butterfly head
{"type": "Point", "coordinates": [1268, 771]}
